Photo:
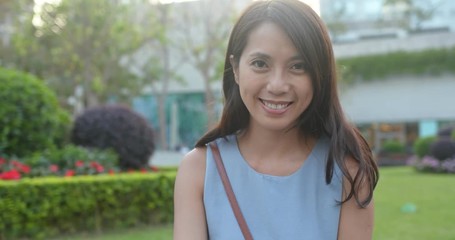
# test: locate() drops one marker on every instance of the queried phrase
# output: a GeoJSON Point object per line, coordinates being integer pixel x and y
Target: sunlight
{"type": "Point", "coordinates": [170, 1]}
{"type": "Point", "coordinates": [314, 4]}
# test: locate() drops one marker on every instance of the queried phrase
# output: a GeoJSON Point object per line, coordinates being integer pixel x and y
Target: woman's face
{"type": "Point", "coordinates": [273, 81]}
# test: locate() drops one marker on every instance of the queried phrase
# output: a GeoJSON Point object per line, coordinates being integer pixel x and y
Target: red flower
{"type": "Point", "coordinates": [20, 166]}
{"type": "Point", "coordinates": [53, 168]}
{"type": "Point", "coordinates": [98, 167]}
{"type": "Point", "coordinates": [24, 168]}
{"type": "Point", "coordinates": [143, 170]}
{"type": "Point", "coordinates": [16, 163]}
{"type": "Point", "coordinates": [2, 161]}
{"type": "Point", "coordinates": [79, 163]}
{"type": "Point", "coordinates": [111, 172]}
{"type": "Point", "coordinates": [70, 173]}
{"type": "Point", "coordinates": [10, 175]}
{"type": "Point", "coordinates": [154, 168]}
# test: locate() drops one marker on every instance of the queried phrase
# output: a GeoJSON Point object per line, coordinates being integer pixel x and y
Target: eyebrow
{"type": "Point", "coordinates": [266, 56]}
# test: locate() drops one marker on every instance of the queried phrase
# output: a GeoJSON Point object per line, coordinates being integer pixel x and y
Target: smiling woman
{"type": "Point", "coordinates": [273, 82]}
{"type": "Point", "coordinates": [296, 166]}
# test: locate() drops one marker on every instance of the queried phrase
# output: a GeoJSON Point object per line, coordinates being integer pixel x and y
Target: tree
{"type": "Point", "coordinates": [13, 15]}
{"type": "Point", "coordinates": [334, 19]}
{"type": "Point", "coordinates": [410, 14]}
{"type": "Point", "coordinates": [78, 44]}
{"type": "Point", "coordinates": [204, 32]}
{"type": "Point", "coordinates": [155, 63]}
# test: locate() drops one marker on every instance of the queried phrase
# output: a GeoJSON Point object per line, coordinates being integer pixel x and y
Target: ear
{"type": "Point", "coordinates": [235, 68]}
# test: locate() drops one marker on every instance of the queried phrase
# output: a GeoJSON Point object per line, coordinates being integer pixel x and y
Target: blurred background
{"type": "Point", "coordinates": [80, 78]}
{"type": "Point", "coordinates": [164, 59]}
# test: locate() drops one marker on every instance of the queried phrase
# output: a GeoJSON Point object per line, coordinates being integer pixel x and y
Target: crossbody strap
{"type": "Point", "coordinates": [230, 193]}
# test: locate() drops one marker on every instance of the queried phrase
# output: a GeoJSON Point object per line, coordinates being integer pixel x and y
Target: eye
{"type": "Point", "coordinates": [259, 64]}
{"type": "Point", "coordinates": [298, 66]}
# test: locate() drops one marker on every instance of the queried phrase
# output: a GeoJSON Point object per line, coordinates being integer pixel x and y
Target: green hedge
{"type": "Point", "coordinates": [393, 146]}
{"type": "Point", "coordinates": [50, 206]}
{"type": "Point", "coordinates": [432, 61]}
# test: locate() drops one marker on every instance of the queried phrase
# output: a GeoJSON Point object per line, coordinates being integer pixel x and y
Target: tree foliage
{"type": "Point", "coordinates": [204, 35]}
{"type": "Point", "coordinates": [78, 44]}
{"type": "Point", "coordinates": [411, 14]}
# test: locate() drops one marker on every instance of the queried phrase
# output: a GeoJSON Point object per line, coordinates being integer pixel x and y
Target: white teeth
{"type": "Point", "coordinates": [275, 106]}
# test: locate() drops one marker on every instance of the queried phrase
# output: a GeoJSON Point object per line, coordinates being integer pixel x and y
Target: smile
{"type": "Point", "coordinates": [276, 105]}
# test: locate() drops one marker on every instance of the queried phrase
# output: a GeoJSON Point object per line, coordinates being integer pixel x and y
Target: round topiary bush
{"type": "Point", "coordinates": [443, 149]}
{"type": "Point", "coordinates": [30, 117]}
{"type": "Point", "coordinates": [422, 146]}
{"type": "Point", "coordinates": [118, 128]}
{"type": "Point", "coordinates": [446, 132]}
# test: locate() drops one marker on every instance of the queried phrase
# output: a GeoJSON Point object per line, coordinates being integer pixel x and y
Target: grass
{"type": "Point", "coordinates": [433, 195]}
{"type": "Point", "coordinates": [151, 233]}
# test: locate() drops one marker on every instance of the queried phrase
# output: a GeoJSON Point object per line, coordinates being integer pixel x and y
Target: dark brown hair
{"type": "Point", "coordinates": [324, 115]}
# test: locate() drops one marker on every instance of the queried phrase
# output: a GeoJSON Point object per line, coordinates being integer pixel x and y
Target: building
{"type": "Point", "coordinates": [396, 107]}
{"type": "Point", "coordinates": [399, 107]}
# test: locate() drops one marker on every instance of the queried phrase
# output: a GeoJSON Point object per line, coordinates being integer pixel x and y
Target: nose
{"type": "Point", "coordinates": [277, 83]}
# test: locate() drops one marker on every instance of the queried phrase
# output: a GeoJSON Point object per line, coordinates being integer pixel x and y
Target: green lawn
{"type": "Point", "coordinates": [152, 233]}
{"type": "Point", "coordinates": [433, 195]}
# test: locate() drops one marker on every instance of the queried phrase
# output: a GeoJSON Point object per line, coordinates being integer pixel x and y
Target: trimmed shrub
{"type": "Point", "coordinates": [443, 149]}
{"type": "Point", "coordinates": [422, 146]}
{"type": "Point", "coordinates": [393, 146]}
{"type": "Point", "coordinates": [31, 119]}
{"type": "Point", "coordinates": [118, 128]}
{"type": "Point", "coordinates": [41, 208]}
{"type": "Point", "coordinates": [446, 132]}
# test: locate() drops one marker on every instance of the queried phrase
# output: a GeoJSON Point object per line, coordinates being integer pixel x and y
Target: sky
{"type": "Point", "coordinates": [313, 3]}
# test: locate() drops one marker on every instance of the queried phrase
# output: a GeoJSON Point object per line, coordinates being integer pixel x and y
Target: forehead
{"type": "Point", "coordinates": [271, 39]}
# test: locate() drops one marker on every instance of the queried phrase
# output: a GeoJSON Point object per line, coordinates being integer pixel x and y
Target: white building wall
{"type": "Point", "coordinates": [411, 43]}
{"type": "Point", "coordinates": [401, 99]}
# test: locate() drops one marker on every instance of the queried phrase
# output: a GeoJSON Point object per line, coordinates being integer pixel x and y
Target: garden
{"type": "Point", "coordinates": [60, 175]}
{"type": "Point", "coordinates": [409, 205]}
{"type": "Point", "coordinates": [89, 177]}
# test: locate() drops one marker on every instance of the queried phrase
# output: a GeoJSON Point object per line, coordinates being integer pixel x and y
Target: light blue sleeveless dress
{"type": "Point", "coordinates": [298, 206]}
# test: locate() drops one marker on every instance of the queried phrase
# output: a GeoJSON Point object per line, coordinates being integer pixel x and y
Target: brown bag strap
{"type": "Point", "coordinates": [230, 193]}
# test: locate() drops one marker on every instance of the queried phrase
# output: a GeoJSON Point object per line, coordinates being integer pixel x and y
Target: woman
{"type": "Point", "coordinates": [298, 169]}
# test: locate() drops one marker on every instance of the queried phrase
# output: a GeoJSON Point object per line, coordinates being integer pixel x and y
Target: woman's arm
{"type": "Point", "coordinates": [355, 223]}
{"type": "Point", "coordinates": [189, 213]}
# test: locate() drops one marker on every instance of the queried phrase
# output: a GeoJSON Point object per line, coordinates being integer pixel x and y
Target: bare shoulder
{"type": "Point", "coordinates": [189, 213]}
{"type": "Point", "coordinates": [352, 166]}
{"type": "Point", "coordinates": [192, 166]}
{"type": "Point", "coordinates": [355, 222]}
{"type": "Point", "coordinates": [194, 159]}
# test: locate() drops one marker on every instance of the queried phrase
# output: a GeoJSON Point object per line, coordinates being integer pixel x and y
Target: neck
{"type": "Point", "coordinates": [274, 143]}
{"type": "Point", "coordinates": [275, 153]}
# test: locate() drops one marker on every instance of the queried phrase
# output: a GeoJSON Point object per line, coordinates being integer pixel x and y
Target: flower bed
{"type": "Point", "coordinates": [12, 169]}
{"type": "Point", "coordinates": [431, 164]}
{"type": "Point", "coordinates": [49, 196]}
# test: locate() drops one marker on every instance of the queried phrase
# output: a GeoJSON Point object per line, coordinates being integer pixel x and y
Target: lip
{"type": "Point", "coordinates": [275, 111]}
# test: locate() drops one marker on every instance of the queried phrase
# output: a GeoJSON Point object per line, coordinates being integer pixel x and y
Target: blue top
{"type": "Point", "coordinates": [298, 206]}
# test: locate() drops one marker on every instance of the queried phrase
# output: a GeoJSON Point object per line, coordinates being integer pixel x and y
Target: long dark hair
{"type": "Point", "coordinates": [324, 115]}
